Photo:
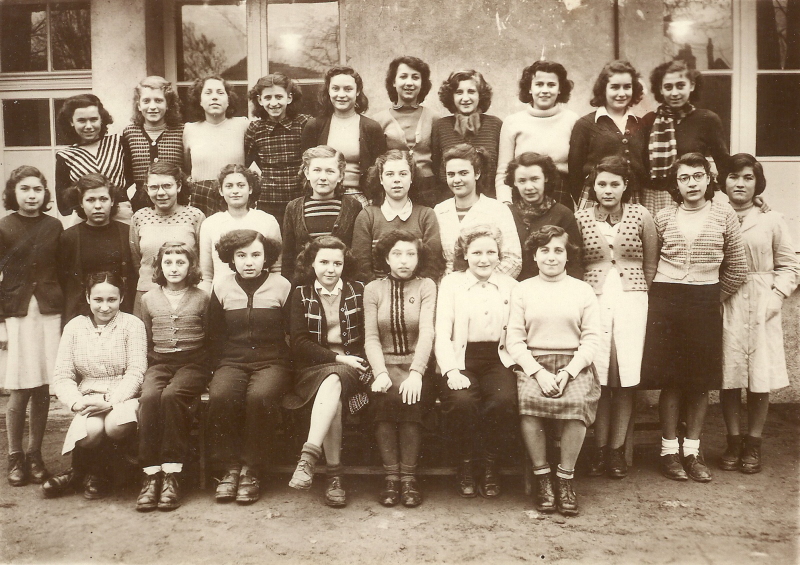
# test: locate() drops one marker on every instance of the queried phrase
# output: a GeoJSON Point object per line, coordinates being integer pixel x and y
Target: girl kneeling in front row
{"type": "Point", "coordinates": [327, 325]}
{"type": "Point", "coordinates": [553, 333]}
{"type": "Point", "coordinates": [99, 371]}
{"type": "Point", "coordinates": [174, 316]}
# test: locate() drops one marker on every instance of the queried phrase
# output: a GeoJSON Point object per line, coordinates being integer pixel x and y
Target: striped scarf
{"type": "Point", "coordinates": [663, 147]}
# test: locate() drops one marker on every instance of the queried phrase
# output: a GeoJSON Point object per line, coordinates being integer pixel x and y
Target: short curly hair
{"type": "Point", "coordinates": [552, 178]}
{"type": "Point", "coordinates": [323, 152]}
{"type": "Point", "coordinates": [252, 178]}
{"type": "Point", "coordinates": [617, 67]}
{"type": "Point", "coordinates": [193, 277]}
{"type": "Point", "coordinates": [173, 116]}
{"type": "Point", "coordinates": [450, 85]}
{"type": "Point", "coordinates": [89, 182]}
{"type": "Point", "coordinates": [564, 84]}
{"type": "Point", "coordinates": [195, 110]}
{"type": "Point", "coordinates": [325, 104]}
{"type": "Point", "coordinates": [741, 160]}
{"type": "Point", "coordinates": [542, 237]}
{"type": "Point", "coordinates": [388, 240]}
{"type": "Point", "coordinates": [415, 63]}
{"type": "Point", "coordinates": [304, 265]}
{"type": "Point", "coordinates": [477, 156]}
{"type": "Point", "coordinates": [168, 169]}
{"type": "Point", "coordinates": [10, 193]}
{"type": "Point", "coordinates": [675, 66]}
{"type": "Point", "coordinates": [375, 190]}
{"type": "Point", "coordinates": [615, 165]}
{"type": "Point", "coordinates": [231, 242]}
{"type": "Point", "coordinates": [690, 160]}
{"type": "Point", "coordinates": [275, 79]}
{"type": "Point", "coordinates": [467, 236]}
{"type": "Point", "coordinates": [64, 121]}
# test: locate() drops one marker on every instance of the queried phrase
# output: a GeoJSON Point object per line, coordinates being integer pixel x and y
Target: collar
{"type": "Point", "coordinates": [601, 111]}
{"type": "Point", "coordinates": [390, 214]}
{"type": "Point", "coordinates": [408, 107]}
{"type": "Point", "coordinates": [601, 215]}
{"type": "Point", "coordinates": [322, 291]}
{"type": "Point", "coordinates": [286, 122]}
{"type": "Point", "coordinates": [472, 280]}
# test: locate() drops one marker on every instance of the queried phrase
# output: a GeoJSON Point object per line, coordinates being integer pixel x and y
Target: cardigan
{"type": "Point", "coordinates": [140, 151]}
{"type": "Point", "coordinates": [396, 137]}
{"type": "Point", "coordinates": [635, 248]}
{"type": "Point", "coordinates": [444, 136]}
{"type": "Point", "coordinates": [371, 141]}
{"type": "Point", "coordinates": [72, 274]}
{"type": "Point", "coordinates": [595, 137]}
{"type": "Point", "coordinates": [716, 254]}
{"type": "Point", "coordinates": [308, 326]}
{"type": "Point", "coordinates": [371, 225]}
{"type": "Point", "coordinates": [484, 211]}
{"type": "Point", "coordinates": [110, 362]}
{"type": "Point", "coordinates": [399, 323]}
{"type": "Point", "coordinates": [524, 131]}
{"type": "Point", "coordinates": [181, 329]}
{"type": "Point", "coordinates": [553, 317]}
{"type": "Point", "coordinates": [452, 324]}
{"type": "Point", "coordinates": [295, 231]}
{"type": "Point", "coordinates": [208, 147]}
{"type": "Point", "coordinates": [28, 252]}
{"type": "Point", "coordinates": [557, 215]}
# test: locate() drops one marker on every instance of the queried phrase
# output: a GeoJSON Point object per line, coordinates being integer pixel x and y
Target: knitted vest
{"type": "Point", "coordinates": [628, 252]}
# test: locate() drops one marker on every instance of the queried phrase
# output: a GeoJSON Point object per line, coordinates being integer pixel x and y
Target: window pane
{"type": "Point", "coordinates": [778, 116]}
{"type": "Point", "coordinates": [309, 103]}
{"type": "Point", "coordinates": [699, 32]}
{"type": "Point", "coordinates": [26, 123]}
{"type": "Point", "coordinates": [58, 103]}
{"type": "Point", "coordinates": [23, 29]}
{"type": "Point", "coordinates": [778, 34]}
{"type": "Point", "coordinates": [212, 40]}
{"type": "Point", "coordinates": [716, 96]}
{"type": "Point", "coordinates": [241, 105]}
{"type": "Point", "coordinates": [71, 36]}
{"type": "Point", "coordinates": [303, 38]}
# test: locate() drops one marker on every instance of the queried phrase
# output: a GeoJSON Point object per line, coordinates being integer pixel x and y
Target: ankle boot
{"type": "Point", "coordinates": [732, 457]}
{"type": "Point", "coordinates": [544, 498]}
{"type": "Point", "coordinates": [466, 480]}
{"type": "Point", "coordinates": [751, 455]}
{"type": "Point", "coordinates": [567, 500]}
{"type": "Point", "coordinates": [597, 466]}
{"type": "Point", "coordinates": [36, 471]}
{"type": "Point", "coordinates": [17, 477]}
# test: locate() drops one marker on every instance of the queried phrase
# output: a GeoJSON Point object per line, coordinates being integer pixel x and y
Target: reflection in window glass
{"type": "Point", "coordinates": [23, 33]}
{"type": "Point", "coordinates": [71, 36]}
{"type": "Point", "coordinates": [26, 123]}
{"type": "Point", "coordinates": [716, 96]}
{"type": "Point", "coordinates": [778, 116]}
{"type": "Point", "coordinates": [239, 90]}
{"type": "Point", "coordinates": [699, 32]}
{"type": "Point", "coordinates": [778, 34]}
{"type": "Point", "coordinates": [303, 38]}
{"type": "Point", "coordinates": [213, 41]}
{"type": "Point", "coordinates": [309, 104]}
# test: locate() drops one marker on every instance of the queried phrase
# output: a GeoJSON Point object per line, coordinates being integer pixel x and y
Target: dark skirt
{"type": "Point", "coordinates": [580, 398]}
{"type": "Point", "coordinates": [389, 406]}
{"type": "Point", "coordinates": [308, 381]}
{"type": "Point", "coordinates": [683, 344]}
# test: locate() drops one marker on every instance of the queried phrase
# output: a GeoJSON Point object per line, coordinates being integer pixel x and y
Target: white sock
{"type": "Point", "coordinates": [152, 470]}
{"type": "Point", "coordinates": [172, 467]}
{"type": "Point", "coordinates": [669, 446]}
{"type": "Point", "coordinates": [691, 447]}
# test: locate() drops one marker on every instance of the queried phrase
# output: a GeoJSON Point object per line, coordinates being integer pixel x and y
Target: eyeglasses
{"type": "Point", "coordinates": [683, 179]}
{"type": "Point", "coordinates": [164, 187]}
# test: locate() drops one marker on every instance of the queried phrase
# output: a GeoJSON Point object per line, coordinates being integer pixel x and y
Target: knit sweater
{"type": "Point", "coordinates": [553, 317]}
{"type": "Point", "coordinates": [396, 137]}
{"type": "Point", "coordinates": [371, 225]}
{"type": "Point", "coordinates": [399, 323]}
{"type": "Point", "coordinates": [635, 248]}
{"type": "Point", "coordinates": [523, 131]}
{"type": "Point", "coordinates": [559, 215]}
{"type": "Point", "coordinates": [208, 147]}
{"type": "Point", "coordinates": [216, 225]}
{"type": "Point", "coordinates": [181, 329]}
{"type": "Point", "coordinates": [716, 254]}
{"type": "Point", "coordinates": [150, 230]}
{"type": "Point", "coordinates": [140, 151]}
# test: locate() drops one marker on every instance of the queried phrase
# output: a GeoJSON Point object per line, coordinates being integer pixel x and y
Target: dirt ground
{"type": "Point", "coordinates": [641, 519]}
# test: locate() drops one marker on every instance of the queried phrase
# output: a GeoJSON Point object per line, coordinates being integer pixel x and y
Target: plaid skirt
{"type": "Point", "coordinates": [580, 398]}
{"type": "Point", "coordinates": [308, 381]}
{"type": "Point", "coordinates": [204, 195]}
{"type": "Point", "coordinates": [656, 200]}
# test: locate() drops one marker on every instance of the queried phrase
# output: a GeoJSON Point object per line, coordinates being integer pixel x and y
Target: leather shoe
{"type": "Point", "coordinates": [170, 498]}
{"type": "Point", "coordinates": [335, 495]}
{"type": "Point", "coordinates": [489, 484]}
{"type": "Point", "coordinates": [696, 468]}
{"type": "Point", "coordinates": [227, 486]}
{"type": "Point", "coordinates": [148, 496]}
{"type": "Point", "coordinates": [60, 484]}
{"type": "Point", "coordinates": [409, 493]}
{"type": "Point", "coordinates": [617, 467]}
{"type": "Point", "coordinates": [390, 495]}
{"type": "Point", "coordinates": [94, 487]}
{"type": "Point", "coordinates": [597, 466]}
{"type": "Point", "coordinates": [671, 467]}
{"type": "Point", "coordinates": [751, 455]}
{"type": "Point", "coordinates": [732, 457]}
{"type": "Point", "coordinates": [466, 480]}
{"type": "Point", "coordinates": [36, 471]}
{"type": "Point", "coordinates": [567, 500]}
{"type": "Point", "coordinates": [544, 499]}
{"type": "Point", "coordinates": [249, 488]}
{"type": "Point", "coordinates": [17, 477]}
{"type": "Point", "coordinates": [303, 475]}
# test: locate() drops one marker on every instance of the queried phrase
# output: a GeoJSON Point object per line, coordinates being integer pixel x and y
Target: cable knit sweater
{"type": "Point", "coordinates": [399, 323]}
{"type": "Point", "coordinates": [181, 329]}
